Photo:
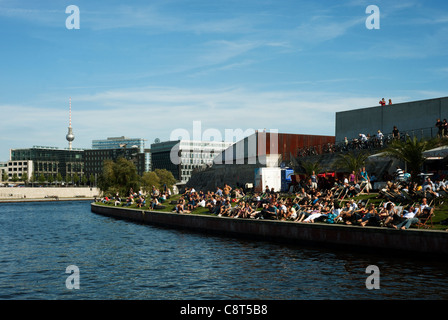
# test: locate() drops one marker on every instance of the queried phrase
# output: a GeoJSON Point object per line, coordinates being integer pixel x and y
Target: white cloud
{"type": "Point", "coordinates": [155, 112]}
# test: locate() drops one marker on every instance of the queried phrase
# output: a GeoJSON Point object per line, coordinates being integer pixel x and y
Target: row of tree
{"type": "Point", "coordinates": [58, 179]}
{"type": "Point", "coordinates": [121, 176]}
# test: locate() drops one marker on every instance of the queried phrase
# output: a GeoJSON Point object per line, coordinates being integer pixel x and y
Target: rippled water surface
{"type": "Point", "coordinates": [123, 260]}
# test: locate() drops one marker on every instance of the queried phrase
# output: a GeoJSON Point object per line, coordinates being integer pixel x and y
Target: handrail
{"type": "Point", "coordinates": [372, 143]}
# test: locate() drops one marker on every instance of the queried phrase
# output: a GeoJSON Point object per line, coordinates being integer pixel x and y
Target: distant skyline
{"type": "Point", "coordinates": [143, 69]}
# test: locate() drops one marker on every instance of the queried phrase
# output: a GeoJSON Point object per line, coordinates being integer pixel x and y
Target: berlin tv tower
{"type": "Point", "coordinates": [70, 136]}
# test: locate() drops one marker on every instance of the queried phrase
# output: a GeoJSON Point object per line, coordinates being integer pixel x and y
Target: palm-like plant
{"type": "Point", "coordinates": [352, 161]}
{"type": "Point", "coordinates": [411, 151]}
{"type": "Point", "coordinates": [308, 166]}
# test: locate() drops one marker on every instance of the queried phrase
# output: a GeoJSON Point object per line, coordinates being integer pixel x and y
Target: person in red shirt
{"type": "Point", "coordinates": [383, 102]}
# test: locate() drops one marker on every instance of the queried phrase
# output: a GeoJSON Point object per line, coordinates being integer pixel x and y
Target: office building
{"type": "Point", "coordinates": [126, 143]}
{"type": "Point", "coordinates": [94, 159]}
{"type": "Point", "coordinates": [47, 161]}
{"type": "Point", "coordinates": [182, 157]}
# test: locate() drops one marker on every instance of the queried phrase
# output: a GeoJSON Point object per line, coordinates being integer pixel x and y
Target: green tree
{"type": "Point", "coordinates": [25, 178]}
{"type": "Point", "coordinates": [166, 178]}
{"type": "Point", "coordinates": [76, 178]}
{"type": "Point", "coordinates": [5, 176]}
{"type": "Point", "coordinates": [15, 177]}
{"type": "Point", "coordinates": [119, 176]}
{"type": "Point", "coordinates": [352, 161]}
{"type": "Point", "coordinates": [42, 178]}
{"type": "Point", "coordinates": [91, 179]}
{"type": "Point", "coordinates": [411, 152]}
{"type": "Point", "coordinates": [84, 180]}
{"type": "Point", "coordinates": [106, 179]}
{"type": "Point", "coordinates": [32, 178]}
{"type": "Point", "coordinates": [150, 179]}
{"type": "Point", "coordinates": [59, 177]}
{"type": "Point", "coordinates": [307, 167]}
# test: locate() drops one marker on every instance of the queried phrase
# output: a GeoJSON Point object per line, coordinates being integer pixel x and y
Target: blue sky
{"type": "Point", "coordinates": [146, 68]}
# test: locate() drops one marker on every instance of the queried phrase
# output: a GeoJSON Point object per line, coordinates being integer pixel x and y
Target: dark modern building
{"type": "Point", "coordinates": [49, 161]}
{"type": "Point", "coordinates": [94, 159]}
{"type": "Point", "coordinates": [124, 142]}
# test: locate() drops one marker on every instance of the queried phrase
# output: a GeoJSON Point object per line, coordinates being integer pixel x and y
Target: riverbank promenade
{"type": "Point", "coordinates": [27, 194]}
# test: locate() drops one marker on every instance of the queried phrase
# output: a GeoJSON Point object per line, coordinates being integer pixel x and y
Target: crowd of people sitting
{"type": "Point", "coordinates": [402, 203]}
{"type": "Point", "coordinates": [153, 200]}
{"type": "Point", "coordinates": [309, 205]}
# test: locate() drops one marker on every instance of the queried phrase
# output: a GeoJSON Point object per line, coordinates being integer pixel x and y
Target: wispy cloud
{"type": "Point", "coordinates": [324, 28]}
{"type": "Point", "coordinates": [46, 17]}
{"type": "Point", "coordinates": [151, 112]}
{"type": "Point", "coordinates": [143, 18]}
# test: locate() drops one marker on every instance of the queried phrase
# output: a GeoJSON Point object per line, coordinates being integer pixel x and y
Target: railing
{"type": "Point", "coordinates": [372, 143]}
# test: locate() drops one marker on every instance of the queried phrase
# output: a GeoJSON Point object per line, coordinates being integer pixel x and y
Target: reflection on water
{"type": "Point", "coordinates": [123, 260]}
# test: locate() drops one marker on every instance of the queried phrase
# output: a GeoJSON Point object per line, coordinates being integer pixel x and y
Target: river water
{"type": "Point", "coordinates": [116, 259]}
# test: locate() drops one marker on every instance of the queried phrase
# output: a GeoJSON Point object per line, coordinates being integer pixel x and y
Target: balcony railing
{"type": "Point", "coordinates": [372, 143]}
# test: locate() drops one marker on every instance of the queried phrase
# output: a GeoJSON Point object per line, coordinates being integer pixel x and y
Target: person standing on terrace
{"type": "Point", "coordinates": [352, 178]}
{"type": "Point", "coordinates": [396, 133]}
{"type": "Point", "coordinates": [380, 137]}
{"type": "Point", "coordinates": [365, 180]}
{"type": "Point", "coordinates": [313, 180]}
{"type": "Point", "coordinates": [445, 128]}
{"type": "Point", "coordinates": [439, 126]}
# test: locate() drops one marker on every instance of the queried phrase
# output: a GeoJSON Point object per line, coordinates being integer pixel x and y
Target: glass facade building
{"type": "Point", "coordinates": [182, 157]}
{"type": "Point", "coordinates": [49, 161]}
{"type": "Point", "coordinates": [124, 142]}
{"type": "Point", "coordinates": [94, 159]}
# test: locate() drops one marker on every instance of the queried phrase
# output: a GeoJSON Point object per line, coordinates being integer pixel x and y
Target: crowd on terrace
{"type": "Point", "coordinates": [403, 204]}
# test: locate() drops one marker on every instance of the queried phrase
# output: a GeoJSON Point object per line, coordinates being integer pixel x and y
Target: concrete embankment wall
{"type": "Point", "coordinates": [369, 239]}
{"type": "Point", "coordinates": [16, 193]}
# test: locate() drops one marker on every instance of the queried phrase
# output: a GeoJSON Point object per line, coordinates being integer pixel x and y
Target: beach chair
{"type": "Point", "coordinates": [399, 210]}
{"type": "Point", "coordinates": [425, 221]}
{"type": "Point", "coordinates": [389, 196]}
{"type": "Point", "coordinates": [406, 196]}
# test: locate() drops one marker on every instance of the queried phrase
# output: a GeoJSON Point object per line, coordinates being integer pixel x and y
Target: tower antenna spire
{"type": "Point", "coordinates": [70, 136]}
{"type": "Point", "coordinates": [70, 113]}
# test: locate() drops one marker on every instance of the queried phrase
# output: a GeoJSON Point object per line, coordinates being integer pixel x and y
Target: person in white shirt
{"type": "Point", "coordinates": [292, 213]}
{"type": "Point", "coordinates": [201, 203]}
{"type": "Point", "coordinates": [353, 205]}
{"type": "Point", "coordinates": [380, 137]}
{"type": "Point", "coordinates": [409, 218]}
{"type": "Point", "coordinates": [363, 137]}
{"type": "Point", "coordinates": [423, 205]}
{"type": "Point", "coordinates": [315, 213]}
{"type": "Point", "coordinates": [439, 185]}
{"type": "Point", "coordinates": [428, 184]}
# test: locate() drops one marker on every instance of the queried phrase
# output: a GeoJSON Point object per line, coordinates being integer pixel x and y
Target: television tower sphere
{"type": "Point", "coordinates": [70, 136]}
